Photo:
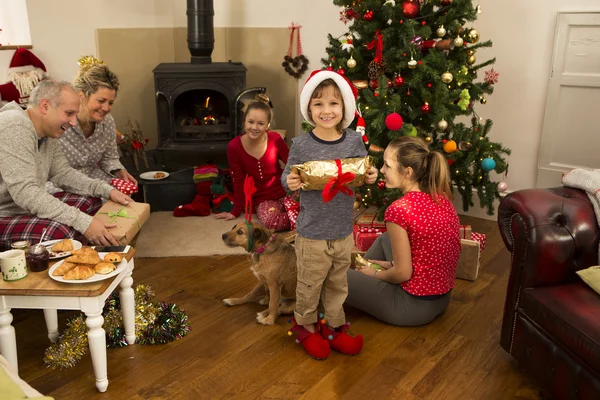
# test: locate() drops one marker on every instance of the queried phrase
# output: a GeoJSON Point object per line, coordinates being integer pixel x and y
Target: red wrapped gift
{"type": "Point", "coordinates": [365, 236]}
{"type": "Point", "coordinates": [292, 207]}
{"type": "Point", "coordinates": [124, 186]}
{"type": "Point", "coordinates": [465, 232]}
{"type": "Point", "coordinates": [479, 237]}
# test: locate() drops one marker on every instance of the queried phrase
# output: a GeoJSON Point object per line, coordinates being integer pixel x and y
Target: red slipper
{"type": "Point", "coordinates": [341, 341]}
{"type": "Point", "coordinates": [314, 344]}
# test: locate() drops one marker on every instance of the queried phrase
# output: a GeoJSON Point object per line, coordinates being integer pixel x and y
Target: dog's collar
{"type": "Point", "coordinates": [262, 248]}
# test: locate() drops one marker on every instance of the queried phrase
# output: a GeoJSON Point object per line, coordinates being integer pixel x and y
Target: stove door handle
{"type": "Point", "coordinates": [159, 93]}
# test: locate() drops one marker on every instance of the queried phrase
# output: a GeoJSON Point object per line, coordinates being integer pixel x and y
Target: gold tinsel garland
{"type": "Point", "coordinates": [150, 328]}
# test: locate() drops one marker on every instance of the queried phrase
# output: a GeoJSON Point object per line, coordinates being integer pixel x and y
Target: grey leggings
{"type": "Point", "coordinates": [388, 301]}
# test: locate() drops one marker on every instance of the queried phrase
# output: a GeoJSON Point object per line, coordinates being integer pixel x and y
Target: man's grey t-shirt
{"type": "Point", "coordinates": [319, 220]}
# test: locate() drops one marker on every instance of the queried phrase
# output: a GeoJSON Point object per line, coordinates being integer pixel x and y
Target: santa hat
{"type": "Point", "coordinates": [25, 71]}
{"type": "Point", "coordinates": [349, 94]}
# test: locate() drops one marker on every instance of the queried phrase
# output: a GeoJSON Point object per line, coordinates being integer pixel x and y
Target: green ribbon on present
{"type": "Point", "coordinates": [121, 213]}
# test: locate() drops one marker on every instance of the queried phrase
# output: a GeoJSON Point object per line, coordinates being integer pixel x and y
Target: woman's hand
{"type": "Point", "coordinates": [381, 263]}
{"type": "Point", "coordinates": [371, 175]}
{"type": "Point", "coordinates": [367, 271]}
{"type": "Point", "coordinates": [293, 181]}
{"type": "Point", "coordinates": [120, 198]}
{"type": "Point", "coordinates": [126, 176]}
{"type": "Point", "coordinates": [225, 215]}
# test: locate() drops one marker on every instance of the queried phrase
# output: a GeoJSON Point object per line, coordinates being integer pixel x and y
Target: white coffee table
{"type": "Point", "coordinates": [39, 291]}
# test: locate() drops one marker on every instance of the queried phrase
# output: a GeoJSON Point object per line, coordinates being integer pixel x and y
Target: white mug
{"type": "Point", "coordinates": [13, 265]}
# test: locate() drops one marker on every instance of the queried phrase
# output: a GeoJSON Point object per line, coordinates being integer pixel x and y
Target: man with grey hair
{"type": "Point", "coordinates": [30, 155]}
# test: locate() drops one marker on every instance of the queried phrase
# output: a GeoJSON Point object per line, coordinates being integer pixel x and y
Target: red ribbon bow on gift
{"type": "Point", "coordinates": [336, 185]}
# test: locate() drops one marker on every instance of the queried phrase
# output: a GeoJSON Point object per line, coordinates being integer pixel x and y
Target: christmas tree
{"type": "Point", "coordinates": [415, 65]}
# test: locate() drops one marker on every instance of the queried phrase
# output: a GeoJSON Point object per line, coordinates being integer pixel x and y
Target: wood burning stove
{"type": "Point", "coordinates": [196, 102]}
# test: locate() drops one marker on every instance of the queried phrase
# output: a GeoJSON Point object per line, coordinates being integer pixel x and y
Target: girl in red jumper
{"type": "Point", "coordinates": [258, 153]}
{"type": "Point", "coordinates": [419, 252]}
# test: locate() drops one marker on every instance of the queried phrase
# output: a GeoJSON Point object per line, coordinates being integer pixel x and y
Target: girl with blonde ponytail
{"type": "Point", "coordinates": [419, 252]}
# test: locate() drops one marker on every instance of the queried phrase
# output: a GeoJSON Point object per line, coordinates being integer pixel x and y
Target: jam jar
{"type": "Point", "coordinates": [37, 258]}
{"type": "Point", "coordinates": [21, 245]}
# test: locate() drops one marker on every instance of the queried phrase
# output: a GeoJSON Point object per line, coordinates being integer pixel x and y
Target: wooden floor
{"type": "Point", "coordinates": [228, 355]}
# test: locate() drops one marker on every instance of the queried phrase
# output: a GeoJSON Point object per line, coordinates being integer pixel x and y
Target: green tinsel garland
{"type": "Point", "coordinates": [155, 323]}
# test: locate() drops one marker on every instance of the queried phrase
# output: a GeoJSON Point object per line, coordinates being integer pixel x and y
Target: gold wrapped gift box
{"type": "Point", "coordinates": [316, 174]}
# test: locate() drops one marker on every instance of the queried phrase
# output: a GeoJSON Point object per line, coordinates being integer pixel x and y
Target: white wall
{"type": "Point", "coordinates": [522, 32]}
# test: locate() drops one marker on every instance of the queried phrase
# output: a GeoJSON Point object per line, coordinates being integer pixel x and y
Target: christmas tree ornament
{"type": "Point", "coordinates": [361, 128]}
{"type": "Point", "coordinates": [483, 100]}
{"type": "Point", "coordinates": [428, 139]}
{"type": "Point", "coordinates": [464, 146]}
{"type": "Point", "coordinates": [458, 42]}
{"type": "Point", "coordinates": [412, 132]}
{"type": "Point", "coordinates": [464, 99]}
{"type": "Point", "coordinates": [399, 81]}
{"type": "Point", "coordinates": [341, 71]}
{"type": "Point", "coordinates": [381, 185]}
{"type": "Point", "coordinates": [329, 68]}
{"type": "Point", "coordinates": [392, 3]}
{"type": "Point", "coordinates": [471, 60]}
{"type": "Point", "coordinates": [473, 36]}
{"type": "Point", "coordinates": [360, 84]}
{"type": "Point", "coordinates": [488, 164]}
{"type": "Point", "coordinates": [368, 16]}
{"type": "Point", "coordinates": [478, 9]}
{"type": "Point", "coordinates": [445, 2]}
{"type": "Point", "coordinates": [425, 108]}
{"type": "Point", "coordinates": [447, 77]}
{"type": "Point", "coordinates": [412, 64]}
{"type": "Point", "coordinates": [442, 125]}
{"type": "Point", "coordinates": [376, 149]}
{"type": "Point", "coordinates": [450, 146]}
{"type": "Point", "coordinates": [295, 66]}
{"type": "Point", "coordinates": [441, 31]}
{"type": "Point", "coordinates": [376, 93]}
{"type": "Point", "coordinates": [470, 52]}
{"type": "Point", "coordinates": [491, 76]}
{"type": "Point", "coordinates": [351, 63]}
{"type": "Point", "coordinates": [502, 186]}
{"type": "Point", "coordinates": [410, 8]}
{"type": "Point", "coordinates": [373, 83]}
{"type": "Point", "coordinates": [347, 43]}
{"type": "Point", "coordinates": [357, 205]}
{"type": "Point", "coordinates": [393, 121]}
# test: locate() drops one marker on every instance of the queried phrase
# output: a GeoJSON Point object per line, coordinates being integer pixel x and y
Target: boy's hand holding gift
{"type": "Point", "coordinates": [371, 176]}
{"type": "Point", "coordinates": [293, 181]}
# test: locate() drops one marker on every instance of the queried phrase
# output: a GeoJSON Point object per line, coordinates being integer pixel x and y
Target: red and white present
{"type": "Point", "coordinates": [365, 236]}
{"type": "Point", "coordinates": [479, 237]}
{"type": "Point", "coordinates": [124, 186]}
{"type": "Point", "coordinates": [465, 232]}
{"type": "Point", "coordinates": [292, 208]}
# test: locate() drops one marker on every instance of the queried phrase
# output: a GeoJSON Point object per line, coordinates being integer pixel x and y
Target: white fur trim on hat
{"type": "Point", "coordinates": [347, 95]}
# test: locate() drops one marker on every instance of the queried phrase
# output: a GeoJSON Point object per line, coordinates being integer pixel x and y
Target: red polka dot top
{"type": "Point", "coordinates": [433, 232]}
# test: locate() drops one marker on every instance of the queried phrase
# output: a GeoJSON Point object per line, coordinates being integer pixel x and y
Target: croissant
{"type": "Point", "coordinates": [85, 258]}
{"type": "Point", "coordinates": [114, 258]}
{"type": "Point", "coordinates": [83, 251]}
{"type": "Point", "coordinates": [63, 268]}
{"type": "Point", "coordinates": [62, 246]}
{"type": "Point", "coordinates": [104, 268]}
{"type": "Point", "coordinates": [80, 272]}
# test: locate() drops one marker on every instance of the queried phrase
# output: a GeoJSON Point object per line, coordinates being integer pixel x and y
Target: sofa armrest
{"type": "Point", "coordinates": [551, 233]}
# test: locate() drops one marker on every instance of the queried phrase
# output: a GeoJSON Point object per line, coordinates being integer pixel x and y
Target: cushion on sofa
{"type": "Point", "coordinates": [571, 314]}
{"type": "Point", "coordinates": [591, 276]}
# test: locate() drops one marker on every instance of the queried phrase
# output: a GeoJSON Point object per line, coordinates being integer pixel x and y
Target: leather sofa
{"type": "Point", "coordinates": [551, 322]}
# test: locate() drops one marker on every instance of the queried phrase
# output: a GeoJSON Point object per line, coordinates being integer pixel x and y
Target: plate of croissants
{"type": "Point", "coordinates": [86, 265]}
{"type": "Point", "coordinates": [61, 247]}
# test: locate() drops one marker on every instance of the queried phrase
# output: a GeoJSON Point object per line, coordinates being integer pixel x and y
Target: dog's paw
{"type": "Point", "coordinates": [264, 301]}
{"type": "Point", "coordinates": [261, 318]}
{"type": "Point", "coordinates": [229, 302]}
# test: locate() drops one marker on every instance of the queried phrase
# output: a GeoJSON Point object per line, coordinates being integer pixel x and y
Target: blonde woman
{"type": "Point", "coordinates": [90, 146]}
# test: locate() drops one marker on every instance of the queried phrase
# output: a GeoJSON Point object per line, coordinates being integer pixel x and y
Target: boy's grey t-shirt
{"type": "Point", "coordinates": [319, 220]}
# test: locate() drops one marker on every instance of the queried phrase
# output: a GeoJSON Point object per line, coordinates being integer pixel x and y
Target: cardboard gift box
{"type": "Point", "coordinates": [465, 232]}
{"type": "Point", "coordinates": [129, 219]}
{"type": "Point", "coordinates": [292, 208]}
{"type": "Point", "coordinates": [368, 219]}
{"type": "Point", "coordinates": [479, 237]}
{"type": "Point", "coordinates": [468, 262]}
{"type": "Point", "coordinates": [364, 237]}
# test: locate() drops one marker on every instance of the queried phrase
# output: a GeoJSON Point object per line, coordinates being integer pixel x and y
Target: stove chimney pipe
{"type": "Point", "coordinates": [201, 38]}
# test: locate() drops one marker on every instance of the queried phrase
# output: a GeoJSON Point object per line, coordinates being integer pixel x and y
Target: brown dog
{"type": "Point", "coordinates": [274, 264]}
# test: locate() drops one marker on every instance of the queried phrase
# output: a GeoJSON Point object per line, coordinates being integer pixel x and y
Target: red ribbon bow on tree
{"type": "Point", "coordinates": [378, 44]}
{"type": "Point", "coordinates": [336, 185]}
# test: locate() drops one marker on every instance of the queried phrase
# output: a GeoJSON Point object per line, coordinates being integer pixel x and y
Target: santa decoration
{"type": "Point", "coordinates": [24, 72]}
